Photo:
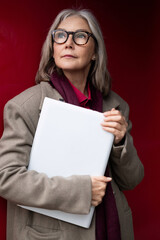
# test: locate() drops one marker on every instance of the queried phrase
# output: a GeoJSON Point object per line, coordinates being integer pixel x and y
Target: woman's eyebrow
{"type": "Point", "coordinates": [77, 30]}
{"type": "Point", "coordinates": [60, 29]}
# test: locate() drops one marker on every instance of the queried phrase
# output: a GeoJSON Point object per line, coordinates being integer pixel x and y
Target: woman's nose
{"type": "Point", "coordinates": [70, 43]}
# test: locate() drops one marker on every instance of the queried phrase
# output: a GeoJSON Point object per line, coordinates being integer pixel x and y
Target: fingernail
{"type": "Point", "coordinates": [109, 178]}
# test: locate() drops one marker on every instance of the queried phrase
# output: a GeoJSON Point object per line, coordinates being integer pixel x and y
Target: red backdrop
{"type": "Point", "coordinates": [131, 32]}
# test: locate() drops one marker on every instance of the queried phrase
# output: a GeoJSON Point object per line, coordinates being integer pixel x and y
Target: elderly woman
{"type": "Point", "coordinates": [73, 69]}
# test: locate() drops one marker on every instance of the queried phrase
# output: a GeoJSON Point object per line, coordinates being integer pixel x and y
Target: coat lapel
{"type": "Point", "coordinates": [48, 91]}
{"type": "Point", "coordinates": [110, 102]}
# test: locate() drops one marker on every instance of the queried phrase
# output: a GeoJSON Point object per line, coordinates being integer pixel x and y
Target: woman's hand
{"type": "Point", "coordinates": [114, 122]}
{"type": "Point", "coordinates": [99, 185]}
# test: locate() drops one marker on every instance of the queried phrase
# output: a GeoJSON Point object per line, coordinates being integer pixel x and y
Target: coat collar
{"type": "Point", "coordinates": [109, 102]}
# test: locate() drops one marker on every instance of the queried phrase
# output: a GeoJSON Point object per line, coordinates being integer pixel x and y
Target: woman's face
{"type": "Point", "coordinates": [69, 56]}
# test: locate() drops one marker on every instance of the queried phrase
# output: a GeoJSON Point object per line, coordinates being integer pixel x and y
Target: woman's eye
{"type": "Point", "coordinates": [80, 35]}
{"type": "Point", "coordinates": [60, 35]}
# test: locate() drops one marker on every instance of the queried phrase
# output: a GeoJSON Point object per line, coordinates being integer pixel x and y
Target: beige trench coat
{"type": "Point", "coordinates": [72, 194]}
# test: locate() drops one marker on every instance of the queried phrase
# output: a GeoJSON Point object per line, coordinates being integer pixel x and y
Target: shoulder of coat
{"type": "Point", "coordinates": [32, 98]}
{"type": "Point", "coordinates": [33, 95]}
{"type": "Point", "coordinates": [28, 95]}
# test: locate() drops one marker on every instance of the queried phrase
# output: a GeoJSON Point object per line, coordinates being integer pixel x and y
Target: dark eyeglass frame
{"type": "Point", "coordinates": [73, 36]}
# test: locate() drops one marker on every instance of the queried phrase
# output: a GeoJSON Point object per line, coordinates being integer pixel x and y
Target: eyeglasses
{"type": "Point", "coordinates": [79, 37]}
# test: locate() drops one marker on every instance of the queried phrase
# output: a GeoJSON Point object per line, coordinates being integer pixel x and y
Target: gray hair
{"type": "Point", "coordinates": [98, 74]}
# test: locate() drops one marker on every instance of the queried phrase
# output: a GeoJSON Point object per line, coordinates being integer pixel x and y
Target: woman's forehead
{"type": "Point", "coordinates": [74, 23]}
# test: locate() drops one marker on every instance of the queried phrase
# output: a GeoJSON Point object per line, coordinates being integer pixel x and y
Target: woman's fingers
{"type": "Point", "coordinates": [102, 178]}
{"type": "Point", "coordinates": [99, 185]}
{"type": "Point", "coordinates": [115, 123]}
{"type": "Point", "coordinates": [114, 116]}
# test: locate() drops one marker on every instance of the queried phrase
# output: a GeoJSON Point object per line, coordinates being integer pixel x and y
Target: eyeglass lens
{"type": "Point", "coordinates": [78, 37]}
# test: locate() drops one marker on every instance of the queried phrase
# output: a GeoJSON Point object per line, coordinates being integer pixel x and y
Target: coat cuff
{"type": "Point", "coordinates": [117, 149]}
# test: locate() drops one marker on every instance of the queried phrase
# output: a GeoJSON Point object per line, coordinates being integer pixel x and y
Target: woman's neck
{"type": "Point", "coordinates": [79, 80]}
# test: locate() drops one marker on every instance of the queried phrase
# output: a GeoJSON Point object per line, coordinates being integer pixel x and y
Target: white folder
{"type": "Point", "coordinates": [69, 140]}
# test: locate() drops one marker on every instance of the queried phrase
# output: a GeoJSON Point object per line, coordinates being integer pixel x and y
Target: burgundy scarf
{"type": "Point", "coordinates": [107, 221]}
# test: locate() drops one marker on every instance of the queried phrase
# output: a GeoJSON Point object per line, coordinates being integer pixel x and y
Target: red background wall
{"type": "Point", "coordinates": [132, 36]}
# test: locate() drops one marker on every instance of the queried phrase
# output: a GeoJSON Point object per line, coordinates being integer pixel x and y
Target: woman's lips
{"type": "Point", "coordinates": [68, 56]}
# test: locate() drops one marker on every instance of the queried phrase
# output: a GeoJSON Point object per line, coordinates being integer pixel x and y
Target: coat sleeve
{"type": "Point", "coordinates": [30, 188]}
{"type": "Point", "coordinates": [127, 169]}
